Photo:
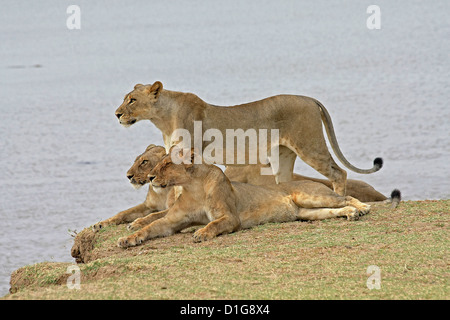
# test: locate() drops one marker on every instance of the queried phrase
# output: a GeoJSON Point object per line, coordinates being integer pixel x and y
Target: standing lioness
{"type": "Point", "coordinates": [298, 119]}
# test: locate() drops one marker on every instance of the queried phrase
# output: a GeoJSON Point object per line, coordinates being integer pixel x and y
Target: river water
{"type": "Point", "coordinates": [63, 155]}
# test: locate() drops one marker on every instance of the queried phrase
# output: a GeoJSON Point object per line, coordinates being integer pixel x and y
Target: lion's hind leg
{"type": "Point", "coordinates": [310, 195]}
{"type": "Point", "coordinates": [326, 213]}
{"type": "Point", "coordinates": [361, 207]}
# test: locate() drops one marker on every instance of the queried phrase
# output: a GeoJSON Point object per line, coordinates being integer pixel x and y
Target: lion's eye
{"type": "Point", "coordinates": [144, 162]}
{"type": "Point", "coordinates": [132, 100]}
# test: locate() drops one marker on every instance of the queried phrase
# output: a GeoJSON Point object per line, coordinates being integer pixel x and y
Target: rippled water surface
{"type": "Point", "coordinates": [63, 155]}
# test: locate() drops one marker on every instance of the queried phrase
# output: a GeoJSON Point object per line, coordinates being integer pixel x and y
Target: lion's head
{"type": "Point", "coordinates": [173, 172]}
{"type": "Point", "coordinates": [139, 103]}
{"type": "Point", "coordinates": [144, 163]}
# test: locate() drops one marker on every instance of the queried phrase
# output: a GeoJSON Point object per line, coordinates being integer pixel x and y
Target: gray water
{"type": "Point", "coordinates": [63, 155]}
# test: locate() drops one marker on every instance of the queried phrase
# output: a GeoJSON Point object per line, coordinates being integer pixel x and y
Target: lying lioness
{"type": "Point", "coordinates": [210, 198]}
{"type": "Point", "coordinates": [356, 188]}
{"type": "Point", "coordinates": [156, 202]}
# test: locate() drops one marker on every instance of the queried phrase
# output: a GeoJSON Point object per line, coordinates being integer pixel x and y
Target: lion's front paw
{"type": "Point", "coordinates": [130, 241]}
{"type": "Point", "coordinates": [101, 225]}
{"type": "Point", "coordinates": [351, 213]}
{"type": "Point", "coordinates": [363, 209]}
{"type": "Point", "coordinates": [203, 234]}
{"type": "Point", "coordinates": [136, 225]}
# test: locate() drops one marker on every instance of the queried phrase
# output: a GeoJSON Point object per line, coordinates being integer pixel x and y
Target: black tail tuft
{"type": "Point", "coordinates": [396, 194]}
{"type": "Point", "coordinates": [378, 163]}
{"type": "Point", "coordinates": [396, 197]}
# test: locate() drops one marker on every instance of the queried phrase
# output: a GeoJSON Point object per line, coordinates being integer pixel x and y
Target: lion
{"type": "Point", "coordinates": [159, 202]}
{"type": "Point", "coordinates": [358, 189]}
{"type": "Point", "coordinates": [155, 202]}
{"type": "Point", "coordinates": [209, 198]}
{"type": "Point", "coordinates": [298, 118]}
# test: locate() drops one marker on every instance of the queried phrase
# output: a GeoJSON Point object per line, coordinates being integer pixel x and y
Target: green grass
{"type": "Point", "coordinates": [298, 260]}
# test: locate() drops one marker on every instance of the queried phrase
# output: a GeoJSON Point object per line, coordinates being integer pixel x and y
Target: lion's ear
{"type": "Point", "coordinates": [150, 147]}
{"type": "Point", "coordinates": [138, 85]}
{"type": "Point", "coordinates": [155, 89]}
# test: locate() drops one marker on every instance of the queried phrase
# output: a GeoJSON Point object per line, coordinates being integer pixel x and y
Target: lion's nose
{"type": "Point", "coordinates": [118, 115]}
{"type": "Point", "coordinates": [130, 176]}
{"type": "Point", "coordinates": [151, 177]}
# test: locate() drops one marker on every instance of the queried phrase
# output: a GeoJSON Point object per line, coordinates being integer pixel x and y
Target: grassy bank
{"type": "Point", "coordinates": [299, 260]}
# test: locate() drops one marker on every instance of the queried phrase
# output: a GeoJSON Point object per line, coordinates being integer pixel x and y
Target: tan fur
{"type": "Point", "coordinates": [252, 174]}
{"type": "Point", "coordinates": [155, 203]}
{"type": "Point", "coordinates": [298, 119]}
{"type": "Point", "coordinates": [141, 215]}
{"type": "Point", "coordinates": [209, 198]}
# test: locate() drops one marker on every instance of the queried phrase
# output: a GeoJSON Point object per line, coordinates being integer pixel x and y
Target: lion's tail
{"type": "Point", "coordinates": [326, 119]}
{"type": "Point", "coordinates": [396, 197]}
